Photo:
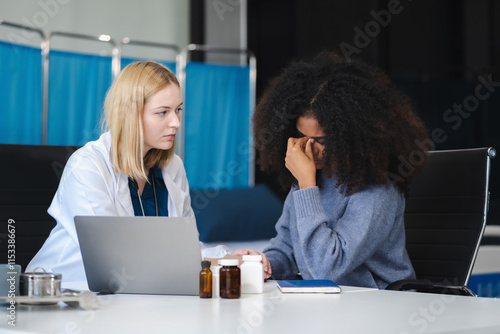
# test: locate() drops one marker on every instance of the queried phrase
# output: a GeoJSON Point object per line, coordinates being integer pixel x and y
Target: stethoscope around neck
{"type": "Point", "coordinates": [153, 183]}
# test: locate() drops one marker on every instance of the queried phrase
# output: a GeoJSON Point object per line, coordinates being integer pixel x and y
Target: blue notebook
{"type": "Point", "coordinates": [308, 286]}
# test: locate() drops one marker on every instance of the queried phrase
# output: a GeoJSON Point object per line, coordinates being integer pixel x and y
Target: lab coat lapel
{"type": "Point", "coordinates": [176, 194]}
{"type": "Point", "coordinates": [120, 181]}
{"type": "Point", "coordinates": [123, 194]}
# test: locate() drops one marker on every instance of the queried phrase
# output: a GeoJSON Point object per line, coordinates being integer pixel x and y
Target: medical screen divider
{"type": "Point", "coordinates": [181, 75]}
{"type": "Point", "coordinates": [55, 97]}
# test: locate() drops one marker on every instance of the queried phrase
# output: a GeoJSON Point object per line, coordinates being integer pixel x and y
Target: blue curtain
{"type": "Point", "coordinates": [77, 87]}
{"type": "Point", "coordinates": [20, 94]}
{"type": "Point", "coordinates": [217, 126]}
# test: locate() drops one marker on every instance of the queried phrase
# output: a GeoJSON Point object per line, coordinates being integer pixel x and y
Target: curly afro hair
{"type": "Point", "coordinates": [370, 127]}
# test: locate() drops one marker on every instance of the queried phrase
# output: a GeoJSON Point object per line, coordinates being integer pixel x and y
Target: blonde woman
{"type": "Point", "coordinates": [130, 170]}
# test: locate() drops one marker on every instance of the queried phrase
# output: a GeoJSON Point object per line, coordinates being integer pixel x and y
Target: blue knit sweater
{"type": "Point", "coordinates": [356, 240]}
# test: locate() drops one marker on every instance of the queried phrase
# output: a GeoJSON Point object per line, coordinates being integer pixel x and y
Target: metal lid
{"type": "Point", "coordinates": [34, 276]}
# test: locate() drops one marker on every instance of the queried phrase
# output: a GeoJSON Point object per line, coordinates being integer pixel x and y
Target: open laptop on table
{"type": "Point", "coordinates": [145, 255]}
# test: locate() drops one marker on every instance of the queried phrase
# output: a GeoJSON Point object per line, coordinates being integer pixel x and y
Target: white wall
{"type": "Point", "coordinates": [163, 21]}
{"type": "Point", "coordinates": [226, 26]}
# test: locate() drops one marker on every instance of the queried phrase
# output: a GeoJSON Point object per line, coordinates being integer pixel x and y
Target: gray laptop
{"type": "Point", "coordinates": [146, 255]}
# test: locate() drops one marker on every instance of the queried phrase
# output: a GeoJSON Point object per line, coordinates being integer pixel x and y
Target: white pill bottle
{"type": "Point", "coordinates": [252, 274]}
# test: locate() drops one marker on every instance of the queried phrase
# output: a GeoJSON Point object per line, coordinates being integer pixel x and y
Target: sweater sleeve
{"type": "Point", "coordinates": [280, 250]}
{"type": "Point", "coordinates": [355, 237]}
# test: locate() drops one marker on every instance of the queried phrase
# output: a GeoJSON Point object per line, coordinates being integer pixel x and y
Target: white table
{"type": "Point", "coordinates": [355, 310]}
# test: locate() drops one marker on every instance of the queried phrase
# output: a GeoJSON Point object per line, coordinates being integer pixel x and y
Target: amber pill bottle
{"type": "Point", "coordinates": [229, 279]}
{"type": "Point", "coordinates": [205, 280]}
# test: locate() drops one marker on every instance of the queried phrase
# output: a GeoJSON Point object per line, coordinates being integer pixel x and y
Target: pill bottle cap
{"type": "Point", "coordinates": [253, 258]}
{"type": "Point", "coordinates": [206, 263]}
{"type": "Point", "coordinates": [229, 262]}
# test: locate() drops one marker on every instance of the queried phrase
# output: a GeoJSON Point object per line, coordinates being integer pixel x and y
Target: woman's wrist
{"type": "Point", "coordinates": [307, 184]}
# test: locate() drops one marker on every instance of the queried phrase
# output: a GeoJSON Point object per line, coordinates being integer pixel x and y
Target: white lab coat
{"type": "Point", "coordinates": [90, 186]}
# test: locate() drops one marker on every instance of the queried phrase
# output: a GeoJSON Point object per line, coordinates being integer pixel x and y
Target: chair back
{"type": "Point", "coordinates": [446, 214]}
{"type": "Point", "coordinates": [31, 175]}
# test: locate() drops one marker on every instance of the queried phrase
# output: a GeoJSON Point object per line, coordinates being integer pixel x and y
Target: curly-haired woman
{"type": "Point", "coordinates": [337, 132]}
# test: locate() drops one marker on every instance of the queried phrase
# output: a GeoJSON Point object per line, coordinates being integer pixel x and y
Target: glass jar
{"type": "Point", "coordinates": [229, 279]}
{"type": "Point", "coordinates": [205, 280]}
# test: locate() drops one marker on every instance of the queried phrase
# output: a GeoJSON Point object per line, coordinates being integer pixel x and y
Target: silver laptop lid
{"type": "Point", "coordinates": [146, 255]}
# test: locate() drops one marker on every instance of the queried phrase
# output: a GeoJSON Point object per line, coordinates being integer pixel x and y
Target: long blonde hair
{"type": "Point", "coordinates": [123, 109]}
